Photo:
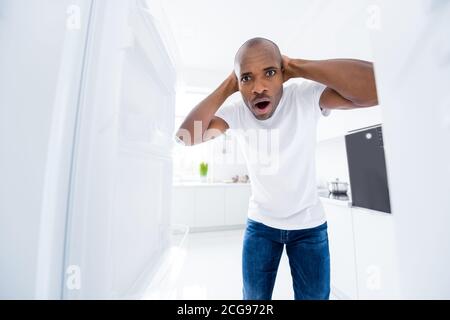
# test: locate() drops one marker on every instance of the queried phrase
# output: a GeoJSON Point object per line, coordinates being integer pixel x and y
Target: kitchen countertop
{"type": "Point", "coordinates": [324, 195]}
{"type": "Point", "coordinates": [210, 184]}
{"type": "Point", "coordinates": [341, 200]}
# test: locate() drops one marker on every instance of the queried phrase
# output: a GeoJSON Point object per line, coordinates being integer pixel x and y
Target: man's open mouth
{"type": "Point", "coordinates": [261, 106]}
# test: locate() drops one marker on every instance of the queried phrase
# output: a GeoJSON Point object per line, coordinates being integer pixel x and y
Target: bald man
{"type": "Point", "coordinates": [275, 124]}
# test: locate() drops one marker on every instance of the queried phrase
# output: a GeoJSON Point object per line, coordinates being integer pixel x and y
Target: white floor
{"type": "Point", "coordinates": [208, 266]}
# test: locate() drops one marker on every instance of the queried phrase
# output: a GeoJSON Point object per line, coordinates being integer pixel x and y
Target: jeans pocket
{"type": "Point", "coordinates": [319, 236]}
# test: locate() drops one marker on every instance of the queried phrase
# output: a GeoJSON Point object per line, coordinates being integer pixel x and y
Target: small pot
{"type": "Point", "coordinates": [337, 187]}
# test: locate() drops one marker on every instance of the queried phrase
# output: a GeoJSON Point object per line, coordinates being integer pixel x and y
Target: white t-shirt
{"type": "Point", "coordinates": [280, 156]}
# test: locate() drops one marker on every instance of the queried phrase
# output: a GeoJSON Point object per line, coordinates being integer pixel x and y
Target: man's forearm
{"type": "Point", "coordinates": [204, 112]}
{"type": "Point", "coordinates": [352, 79]}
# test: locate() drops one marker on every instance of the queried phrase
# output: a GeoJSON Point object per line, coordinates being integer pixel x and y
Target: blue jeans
{"type": "Point", "coordinates": [308, 254]}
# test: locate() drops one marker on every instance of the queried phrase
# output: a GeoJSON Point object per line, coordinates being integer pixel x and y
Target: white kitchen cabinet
{"type": "Point", "coordinates": [236, 205]}
{"type": "Point", "coordinates": [342, 250]}
{"type": "Point", "coordinates": [200, 205]}
{"type": "Point", "coordinates": [183, 206]}
{"type": "Point", "coordinates": [376, 265]}
{"type": "Point", "coordinates": [209, 207]}
{"type": "Point", "coordinates": [340, 122]}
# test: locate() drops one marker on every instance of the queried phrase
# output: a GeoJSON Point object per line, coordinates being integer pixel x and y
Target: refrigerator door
{"type": "Point", "coordinates": [87, 111]}
{"type": "Point", "coordinates": [118, 226]}
{"type": "Point", "coordinates": [412, 67]}
{"type": "Point", "coordinates": [41, 59]}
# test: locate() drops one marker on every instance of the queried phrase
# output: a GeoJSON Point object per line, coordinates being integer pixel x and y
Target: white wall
{"type": "Point", "coordinates": [228, 159]}
{"type": "Point", "coordinates": [331, 161]}
{"type": "Point", "coordinates": [209, 33]}
{"type": "Point", "coordinates": [222, 154]}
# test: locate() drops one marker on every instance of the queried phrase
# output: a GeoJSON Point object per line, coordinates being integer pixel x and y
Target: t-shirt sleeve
{"type": "Point", "coordinates": [316, 90]}
{"type": "Point", "coordinates": [228, 112]}
{"type": "Point", "coordinates": [311, 91]}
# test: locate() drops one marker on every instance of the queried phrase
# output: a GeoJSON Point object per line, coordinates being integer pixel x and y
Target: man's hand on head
{"type": "Point", "coordinates": [288, 73]}
{"type": "Point", "coordinates": [233, 82]}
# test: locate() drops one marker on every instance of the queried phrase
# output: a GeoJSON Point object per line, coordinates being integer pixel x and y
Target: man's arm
{"type": "Point", "coordinates": [201, 125]}
{"type": "Point", "coordinates": [350, 83]}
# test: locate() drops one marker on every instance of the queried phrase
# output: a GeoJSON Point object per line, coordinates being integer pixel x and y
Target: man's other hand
{"type": "Point", "coordinates": [288, 73]}
{"type": "Point", "coordinates": [234, 83]}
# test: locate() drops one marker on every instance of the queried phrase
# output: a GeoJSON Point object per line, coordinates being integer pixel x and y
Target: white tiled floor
{"type": "Point", "coordinates": [211, 268]}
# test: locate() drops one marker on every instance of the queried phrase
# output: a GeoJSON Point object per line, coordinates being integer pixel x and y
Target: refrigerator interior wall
{"type": "Point", "coordinates": [412, 65]}
{"type": "Point", "coordinates": [119, 214]}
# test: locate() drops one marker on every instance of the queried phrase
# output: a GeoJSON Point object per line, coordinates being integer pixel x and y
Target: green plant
{"type": "Point", "coordinates": [203, 169]}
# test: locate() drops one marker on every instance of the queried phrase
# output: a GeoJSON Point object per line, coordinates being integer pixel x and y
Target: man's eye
{"type": "Point", "coordinates": [270, 73]}
{"type": "Point", "coordinates": [245, 78]}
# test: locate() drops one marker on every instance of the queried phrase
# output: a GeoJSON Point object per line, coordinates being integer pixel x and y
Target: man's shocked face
{"type": "Point", "coordinates": [258, 68]}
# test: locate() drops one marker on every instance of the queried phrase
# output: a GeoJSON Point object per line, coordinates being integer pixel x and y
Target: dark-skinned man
{"type": "Point", "coordinates": [279, 121]}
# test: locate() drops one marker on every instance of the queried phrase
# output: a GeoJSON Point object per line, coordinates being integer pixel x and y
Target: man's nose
{"type": "Point", "coordinates": [259, 87]}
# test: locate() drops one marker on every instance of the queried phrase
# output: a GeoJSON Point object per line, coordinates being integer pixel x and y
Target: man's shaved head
{"type": "Point", "coordinates": [258, 66]}
{"type": "Point", "coordinates": [262, 44]}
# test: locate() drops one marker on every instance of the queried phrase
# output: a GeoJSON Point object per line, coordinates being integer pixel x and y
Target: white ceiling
{"type": "Point", "coordinates": [207, 33]}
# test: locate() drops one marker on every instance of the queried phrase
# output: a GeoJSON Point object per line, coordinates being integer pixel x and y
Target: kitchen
{"type": "Point", "coordinates": [114, 207]}
{"type": "Point", "coordinates": [219, 204]}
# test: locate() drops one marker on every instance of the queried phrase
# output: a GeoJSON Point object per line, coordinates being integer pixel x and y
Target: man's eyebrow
{"type": "Point", "coordinates": [265, 69]}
